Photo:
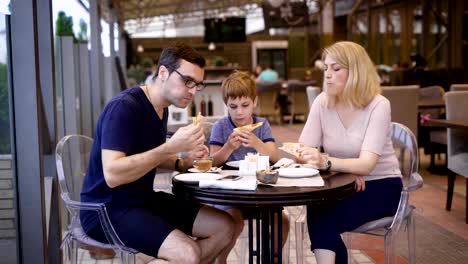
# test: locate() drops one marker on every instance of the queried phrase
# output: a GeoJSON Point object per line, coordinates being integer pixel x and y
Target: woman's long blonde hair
{"type": "Point", "coordinates": [363, 82]}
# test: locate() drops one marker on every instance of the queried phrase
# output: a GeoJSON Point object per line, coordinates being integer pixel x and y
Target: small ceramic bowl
{"type": "Point", "coordinates": [267, 176]}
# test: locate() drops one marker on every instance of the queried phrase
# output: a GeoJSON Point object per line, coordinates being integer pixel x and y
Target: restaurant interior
{"type": "Point", "coordinates": [57, 73]}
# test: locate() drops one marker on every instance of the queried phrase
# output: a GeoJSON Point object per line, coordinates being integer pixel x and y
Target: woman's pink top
{"type": "Point", "coordinates": [371, 131]}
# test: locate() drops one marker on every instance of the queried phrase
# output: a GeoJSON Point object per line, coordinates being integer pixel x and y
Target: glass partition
{"type": "Point", "coordinates": [8, 251]}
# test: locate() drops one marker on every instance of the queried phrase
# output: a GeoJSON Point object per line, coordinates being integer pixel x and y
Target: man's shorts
{"type": "Point", "coordinates": [145, 228]}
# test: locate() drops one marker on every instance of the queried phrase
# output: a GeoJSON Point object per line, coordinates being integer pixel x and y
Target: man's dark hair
{"type": "Point", "coordinates": [170, 57]}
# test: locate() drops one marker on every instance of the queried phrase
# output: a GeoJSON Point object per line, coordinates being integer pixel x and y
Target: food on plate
{"type": "Point", "coordinates": [267, 176]}
{"type": "Point", "coordinates": [249, 127]}
{"type": "Point", "coordinates": [291, 148]}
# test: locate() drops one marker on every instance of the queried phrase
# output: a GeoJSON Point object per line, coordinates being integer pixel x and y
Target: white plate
{"type": "Point", "coordinates": [234, 163]}
{"type": "Point", "coordinates": [297, 172]}
{"type": "Point", "coordinates": [196, 177]}
{"type": "Point", "coordinates": [212, 170]}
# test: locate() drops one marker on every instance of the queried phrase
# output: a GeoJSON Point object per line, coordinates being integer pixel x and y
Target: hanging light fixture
{"type": "Point", "coordinates": [140, 48]}
{"type": "Point", "coordinates": [275, 3]}
{"type": "Point", "coordinates": [211, 46]}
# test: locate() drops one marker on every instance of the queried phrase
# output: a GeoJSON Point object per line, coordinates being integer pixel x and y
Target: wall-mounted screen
{"type": "Point", "coordinates": [230, 29]}
{"type": "Point", "coordinates": [288, 14]}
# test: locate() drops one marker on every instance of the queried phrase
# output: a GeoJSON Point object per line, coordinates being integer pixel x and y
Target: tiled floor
{"type": "Point", "coordinates": [442, 237]}
{"type": "Point", "coordinates": [358, 256]}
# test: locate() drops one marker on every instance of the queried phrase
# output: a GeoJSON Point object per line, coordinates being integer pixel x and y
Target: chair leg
{"type": "Point", "coordinates": [411, 225]}
{"type": "Point", "coordinates": [466, 202]}
{"type": "Point", "coordinates": [127, 257]}
{"type": "Point", "coordinates": [432, 163]}
{"type": "Point", "coordinates": [286, 251]}
{"type": "Point", "coordinates": [244, 247]}
{"type": "Point", "coordinates": [74, 251]}
{"type": "Point", "coordinates": [299, 229]}
{"type": "Point", "coordinates": [450, 186]}
{"type": "Point", "coordinates": [348, 239]}
{"type": "Point", "coordinates": [389, 250]}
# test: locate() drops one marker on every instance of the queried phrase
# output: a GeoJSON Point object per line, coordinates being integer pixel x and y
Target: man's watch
{"type": "Point", "coordinates": [328, 165]}
{"type": "Point", "coordinates": [178, 166]}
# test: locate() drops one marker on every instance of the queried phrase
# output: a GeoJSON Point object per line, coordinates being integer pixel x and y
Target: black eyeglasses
{"type": "Point", "coordinates": [190, 82]}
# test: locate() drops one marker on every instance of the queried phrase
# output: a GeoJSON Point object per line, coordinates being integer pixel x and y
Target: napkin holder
{"type": "Point", "coordinates": [249, 166]}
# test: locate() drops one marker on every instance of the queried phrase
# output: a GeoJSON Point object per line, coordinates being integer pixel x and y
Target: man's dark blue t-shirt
{"type": "Point", "coordinates": [127, 124]}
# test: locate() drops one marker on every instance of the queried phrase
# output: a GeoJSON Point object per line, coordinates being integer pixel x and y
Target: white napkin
{"type": "Point", "coordinates": [242, 184]}
{"type": "Point", "coordinates": [315, 181]}
{"type": "Point", "coordinates": [253, 163]}
{"type": "Point", "coordinates": [283, 162]}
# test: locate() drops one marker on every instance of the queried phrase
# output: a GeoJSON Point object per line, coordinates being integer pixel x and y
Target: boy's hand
{"type": "Point", "coordinates": [233, 141]}
{"type": "Point", "coordinates": [249, 139]}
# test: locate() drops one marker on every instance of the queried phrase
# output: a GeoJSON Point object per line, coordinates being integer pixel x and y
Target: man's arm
{"type": "Point", "coordinates": [120, 169]}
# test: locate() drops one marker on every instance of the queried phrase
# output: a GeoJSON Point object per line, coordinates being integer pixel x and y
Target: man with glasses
{"type": "Point", "coordinates": [129, 144]}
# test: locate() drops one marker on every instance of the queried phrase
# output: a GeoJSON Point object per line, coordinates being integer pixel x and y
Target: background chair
{"type": "Point", "coordinates": [297, 93]}
{"type": "Point", "coordinates": [406, 149]}
{"type": "Point", "coordinates": [72, 157]}
{"type": "Point", "coordinates": [433, 139]}
{"type": "Point", "coordinates": [267, 105]}
{"type": "Point", "coordinates": [458, 87]}
{"type": "Point", "coordinates": [404, 104]}
{"type": "Point", "coordinates": [457, 147]}
{"type": "Point", "coordinates": [312, 93]}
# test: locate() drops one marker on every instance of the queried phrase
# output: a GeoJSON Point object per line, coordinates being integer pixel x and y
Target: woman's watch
{"type": "Point", "coordinates": [328, 165]}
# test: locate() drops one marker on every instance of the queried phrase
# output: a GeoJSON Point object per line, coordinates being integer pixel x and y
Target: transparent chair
{"type": "Point", "coordinates": [312, 93]}
{"type": "Point", "coordinates": [406, 149]}
{"type": "Point", "coordinates": [72, 158]}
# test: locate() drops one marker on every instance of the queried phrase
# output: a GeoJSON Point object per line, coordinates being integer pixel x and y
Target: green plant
{"type": "Point", "coordinates": [5, 147]}
{"type": "Point", "coordinates": [83, 34]}
{"type": "Point", "coordinates": [64, 25]}
{"type": "Point", "coordinates": [218, 61]}
{"type": "Point", "coordinates": [146, 63]}
{"type": "Point", "coordinates": [137, 73]}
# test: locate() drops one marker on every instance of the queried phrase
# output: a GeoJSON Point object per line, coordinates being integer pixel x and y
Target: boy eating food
{"type": "Point", "coordinates": [239, 133]}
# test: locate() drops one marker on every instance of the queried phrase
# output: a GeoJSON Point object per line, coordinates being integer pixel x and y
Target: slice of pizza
{"type": "Point", "coordinates": [197, 119]}
{"type": "Point", "coordinates": [291, 148]}
{"type": "Point", "coordinates": [249, 127]}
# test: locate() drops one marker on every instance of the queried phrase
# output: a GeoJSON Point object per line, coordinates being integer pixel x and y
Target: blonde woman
{"type": "Point", "coordinates": [351, 121]}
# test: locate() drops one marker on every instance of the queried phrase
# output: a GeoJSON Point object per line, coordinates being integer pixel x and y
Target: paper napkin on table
{"type": "Point", "coordinates": [283, 162]}
{"type": "Point", "coordinates": [315, 181]}
{"type": "Point", "coordinates": [242, 184]}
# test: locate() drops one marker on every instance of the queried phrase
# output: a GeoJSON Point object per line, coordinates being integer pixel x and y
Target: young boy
{"type": "Point", "coordinates": [227, 144]}
{"type": "Point", "coordinates": [240, 96]}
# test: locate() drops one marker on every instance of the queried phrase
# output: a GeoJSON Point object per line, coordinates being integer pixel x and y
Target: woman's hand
{"type": "Point", "coordinates": [360, 184]}
{"type": "Point", "coordinates": [310, 155]}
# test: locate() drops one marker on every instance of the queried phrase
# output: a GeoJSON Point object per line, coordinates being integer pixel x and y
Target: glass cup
{"type": "Point", "coordinates": [203, 164]}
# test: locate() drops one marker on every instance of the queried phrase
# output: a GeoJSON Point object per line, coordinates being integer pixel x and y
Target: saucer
{"type": "Point", "coordinates": [196, 177]}
{"type": "Point", "coordinates": [212, 170]}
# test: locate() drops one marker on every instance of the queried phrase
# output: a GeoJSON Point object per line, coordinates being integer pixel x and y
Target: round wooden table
{"type": "Point", "coordinates": [266, 203]}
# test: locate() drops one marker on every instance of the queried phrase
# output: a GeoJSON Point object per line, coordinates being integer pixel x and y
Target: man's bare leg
{"type": "Point", "coordinates": [214, 230]}
{"type": "Point", "coordinates": [236, 215]}
{"type": "Point", "coordinates": [176, 248]}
